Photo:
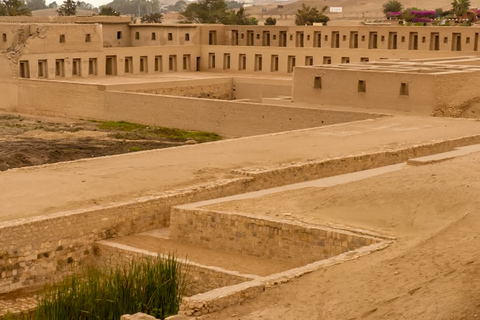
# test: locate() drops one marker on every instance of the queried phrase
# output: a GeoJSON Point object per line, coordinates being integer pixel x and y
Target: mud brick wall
{"type": "Point", "coordinates": [222, 91]}
{"type": "Point", "coordinates": [273, 239]}
{"type": "Point", "coordinates": [44, 248]}
{"type": "Point", "coordinates": [200, 279]}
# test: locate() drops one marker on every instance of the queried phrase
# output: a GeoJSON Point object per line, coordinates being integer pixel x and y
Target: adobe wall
{"type": "Point", "coordinates": [259, 88]}
{"type": "Point", "coordinates": [454, 92]}
{"type": "Point", "coordinates": [200, 279]}
{"type": "Point", "coordinates": [43, 248]}
{"type": "Point", "coordinates": [45, 39]}
{"type": "Point", "coordinates": [222, 91]}
{"type": "Point", "coordinates": [340, 87]}
{"type": "Point", "coordinates": [227, 118]}
{"type": "Point", "coordinates": [65, 19]}
{"type": "Point", "coordinates": [271, 239]}
{"type": "Point", "coordinates": [8, 85]}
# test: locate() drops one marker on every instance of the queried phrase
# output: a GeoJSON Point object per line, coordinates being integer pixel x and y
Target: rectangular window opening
{"type": "Point", "coordinates": [404, 89]}
{"type": "Point", "coordinates": [226, 61]}
{"type": "Point", "coordinates": [88, 37]}
{"type": "Point", "coordinates": [76, 67]}
{"type": "Point", "coordinates": [128, 65]}
{"type": "Point", "coordinates": [60, 67]}
{"type": "Point", "coordinates": [24, 69]}
{"type": "Point", "coordinates": [92, 66]}
{"type": "Point", "coordinates": [62, 38]}
{"type": "Point", "coordinates": [317, 83]}
{"type": "Point", "coordinates": [119, 35]}
{"type": "Point", "coordinates": [144, 64]}
{"type": "Point", "coordinates": [42, 69]}
{"type": "Point", "coordinates": [258, 62]}
{"type": "Point", "coordinates": [362, 86]}
{"type": "Point", "coordinates": [274, 66]}
{"type": "Point", "coordinates": [186, 62]}
{"type": "Point", "coordinates": [158, 64]}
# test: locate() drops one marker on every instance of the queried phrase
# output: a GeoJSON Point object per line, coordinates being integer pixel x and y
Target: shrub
{"type": "Point", "coordinates": [152, 285]}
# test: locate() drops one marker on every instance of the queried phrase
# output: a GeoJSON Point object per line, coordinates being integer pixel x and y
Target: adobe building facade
{"type": "Point", "coordinates": [69, 48]}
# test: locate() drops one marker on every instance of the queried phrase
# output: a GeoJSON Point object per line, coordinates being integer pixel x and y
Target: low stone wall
{"type": "Point", "coordinates": [322, 168]}
{"type": "Point", "coordinates": [267, 238]}
{"type": "Point", "coordinates": [222, 91]}
{"type": "Point", "coordinates": [227, 118]}
{"type": "Point", "coordinates": [44, 248]}
{"type": "Point", "coordinates": [200, 278]}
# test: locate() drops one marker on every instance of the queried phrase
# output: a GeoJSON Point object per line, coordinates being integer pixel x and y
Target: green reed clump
{"type": "Point", "coordinates": [153, 286]}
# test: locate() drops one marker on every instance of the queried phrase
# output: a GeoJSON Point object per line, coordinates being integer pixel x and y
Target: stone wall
{"type": "Point", "coordinates": [44, 248]}
{"type": "Point", "coordinates": [200, 278]}
{"type": "Point", "coordinates": [267, 238]}
{"type": "Point", "coordinates": [221, 91]}
{"type": "Point", "coordinates": [227, 118]}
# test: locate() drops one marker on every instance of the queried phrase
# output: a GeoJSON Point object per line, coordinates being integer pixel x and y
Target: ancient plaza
{"type": "Point", "coordinates": [345, 185]}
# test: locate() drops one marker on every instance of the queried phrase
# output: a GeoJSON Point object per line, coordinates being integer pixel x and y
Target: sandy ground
{"type": "Point", "coordinates": [89, 182]}
{"type": "Point", "coordinates": [432, 271]}
{"type": "Point", "coordinates": [29, 141]}
{"type": "Point", "coordinates": [244, 264]}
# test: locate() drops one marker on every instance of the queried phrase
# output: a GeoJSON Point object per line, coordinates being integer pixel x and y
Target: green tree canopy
{"type": "Point", "coordinates": [270, 21]}
{"type": "Point", "coordinates": [206, 11]}
{"type": "Point", "coordinates": [108, 11]}
{"type": "Point", "coordinates": [307, 15]}
{"type": "Point", "coordinates": [53, 5]}
{"type": "Point", "coordinates": [36, 4]}
{"type": "Point", "coordinates": [392, 6]}
{"type": "Point", "coordinates": [460, 7]}
{"type": "Point", "coordinates": [136, 7]}
{"type": "Point", "coordinates": [14, 8]}
{"type": "Point", "coordinates": [152, 18]}
{"type": "Point", "coordinates": [216, 11]}
{"type": "Point", "coordinates": [68, 8]}
{"type": "Point", "coordinates": [179, 6]}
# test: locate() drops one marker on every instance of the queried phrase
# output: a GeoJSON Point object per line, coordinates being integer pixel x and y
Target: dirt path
{"type": "Point", "coordinates": [89, 182]}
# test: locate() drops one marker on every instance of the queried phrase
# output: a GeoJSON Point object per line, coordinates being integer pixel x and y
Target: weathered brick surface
{"type": "Point", "coordinates": [268, 238]}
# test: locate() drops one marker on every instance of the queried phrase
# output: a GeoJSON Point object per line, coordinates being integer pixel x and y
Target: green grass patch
{"type": "Point", "coordinates": [121, 126]}
{"type": "Point", "coordinates": [135, 131]}
{"type": "Point", "coordinates": [151, 285]}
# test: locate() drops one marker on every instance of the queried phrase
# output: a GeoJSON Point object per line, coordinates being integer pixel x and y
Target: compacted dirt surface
{"type": "Point", "coordinates": [33, 140]}
{"type": "Point", "coordinates": [431, 271]}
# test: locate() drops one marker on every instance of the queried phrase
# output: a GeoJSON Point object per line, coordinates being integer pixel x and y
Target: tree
{"type": "Point", "coordinates": [392, 6]}
{"type": "Point", "coordinates": [215, 11]}
{"type": "Point", "coordinates": [270, 21]}
{"type": "Point", "coordinates": [68, 8]}
{"type": "Point", "coordinates": [460, 7]}
{"type": "Point", "coordinates": [307, 16]}
{"type": "Point", "coordinates": [36, 4]}
{"type": "Point", "coordinates": [234, 4]}
{"type": "Point", "coordinates": [206, 11]}
{"type": "Point", "coordinates": [53, 5]}
{"type": "Point", "coordinates": [136, 7]}
{"type": "Point", "coordinates": [242, 18]}
{"type": "Point", "coordinates": [179, 6]}
{"type": "Point", "coordinates": [108, 11]}
{"type": "Point", "coordinates": [152, 18]}
{"type": "Point", "coordinates": [14, 8]}
{"type": "Point", "coordinates": [85, 6]}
